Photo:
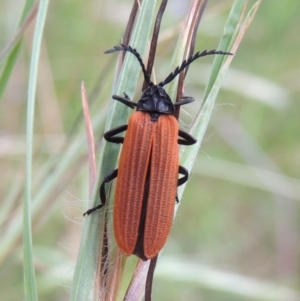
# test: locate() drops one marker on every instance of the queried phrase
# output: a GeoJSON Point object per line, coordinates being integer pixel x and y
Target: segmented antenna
{"type": "Point", "coordinates": [187, 62]}
{"type": "Point", "coordinates": [137, 55]}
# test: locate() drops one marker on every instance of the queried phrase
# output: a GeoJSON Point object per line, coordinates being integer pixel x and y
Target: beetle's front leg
{"type": "Point", "coordinates": [184, 100]}
{"type": "Point", "coordinates": [125, 100]}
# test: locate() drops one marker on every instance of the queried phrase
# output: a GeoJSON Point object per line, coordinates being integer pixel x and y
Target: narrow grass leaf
{"type": "Point", "coordinates": [82, 288]}
{"type": "Point", "coordinates": [219, 69]}
{"type": "Point", "coordinates": [12, 59]}
{"type": "Point", "coordinates": [29, 272]}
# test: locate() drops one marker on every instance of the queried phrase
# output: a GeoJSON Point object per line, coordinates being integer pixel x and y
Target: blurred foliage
{"type": "Point", "coordinates": [239, 228]}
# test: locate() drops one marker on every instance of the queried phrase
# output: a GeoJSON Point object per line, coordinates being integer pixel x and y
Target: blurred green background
{"type": "Point", "coordinates": [236, 234]}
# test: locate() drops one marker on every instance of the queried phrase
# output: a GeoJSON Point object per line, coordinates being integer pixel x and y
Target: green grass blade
{"type": "Point", "coordinates": [83, 283]}
{"type": "Point", "coordinates": [29, 273]}
{"type": "Point", "coordinates": [220, 66]}
{"type": "Point", "coordinates": [11, 61]}
{"type": "Point", "coordinates": [118, 114]}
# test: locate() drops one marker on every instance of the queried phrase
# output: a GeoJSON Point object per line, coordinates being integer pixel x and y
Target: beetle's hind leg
{"type": "Point", "coordinates": [107, 179]}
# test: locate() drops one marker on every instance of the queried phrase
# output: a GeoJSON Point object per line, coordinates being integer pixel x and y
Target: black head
{"type": "Point", "coordinates": [155, 99]}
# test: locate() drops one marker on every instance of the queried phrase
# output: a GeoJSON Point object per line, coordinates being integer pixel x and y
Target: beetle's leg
{"type": "Point", "coordinates": [187, 138]}
{"type": "Point", "coordinates": [183, 101]}
{"type": "Point", "coordinates": [109, 135]}
{"type": "Point", "coordinates": [183, 171]}
{"type": "Point", "coordinates": [125, 100]}
{"type": "Point", "coordinates": [107, 179]}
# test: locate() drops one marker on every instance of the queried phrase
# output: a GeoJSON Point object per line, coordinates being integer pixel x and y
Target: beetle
{"type": "Point", "coordinates": [147, 177]}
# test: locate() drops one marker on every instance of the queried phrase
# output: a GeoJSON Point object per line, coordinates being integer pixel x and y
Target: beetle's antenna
{"type": "Point", "coordinates": [137, 55]}
{"type": "Point", "coordinates": [187, 62]}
